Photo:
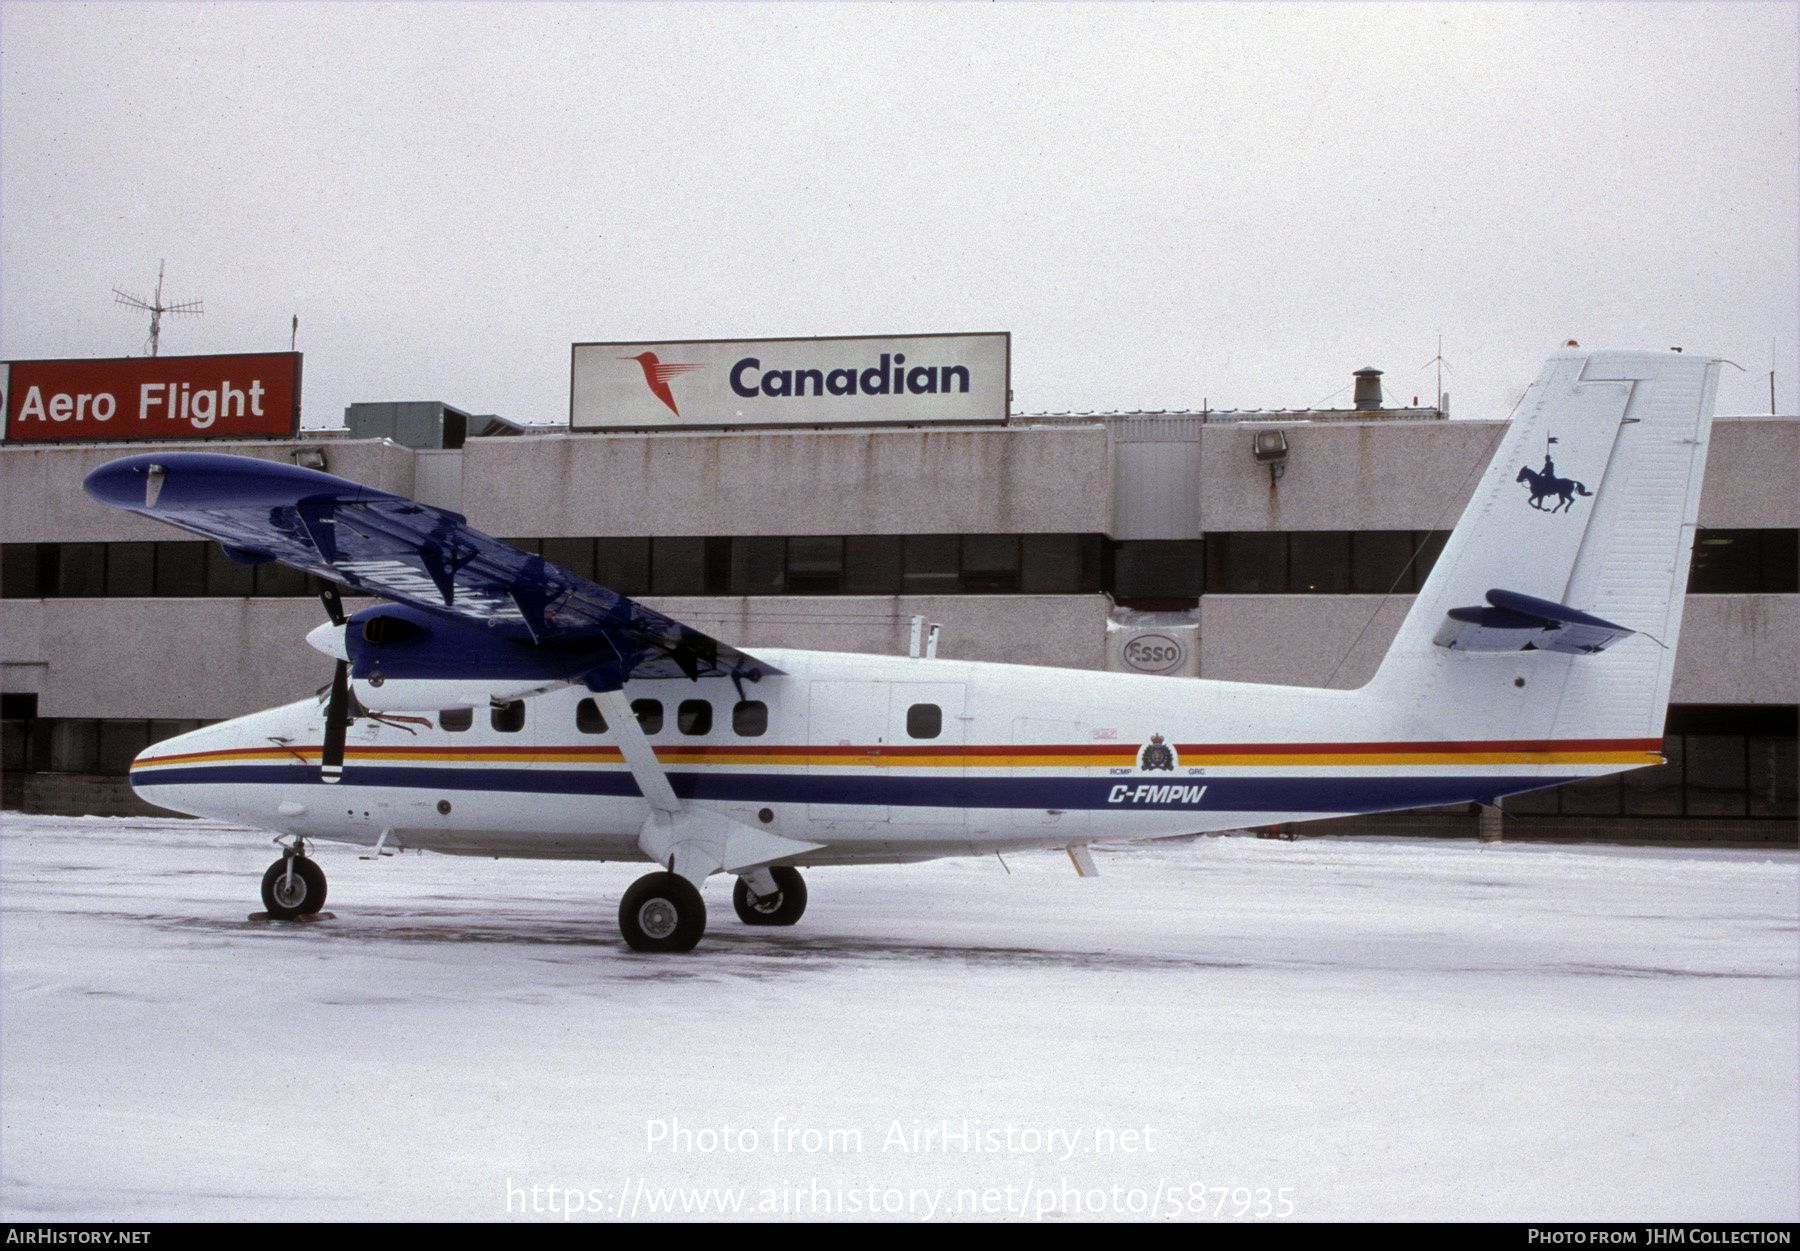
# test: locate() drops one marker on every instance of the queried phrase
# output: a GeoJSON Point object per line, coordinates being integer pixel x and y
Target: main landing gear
{"type": "Point", "coordinates": [664, 911]}
{"type": "Point", "coordinates": [294, 886]}
{"type": "Point", "coordinates": [784, 906]}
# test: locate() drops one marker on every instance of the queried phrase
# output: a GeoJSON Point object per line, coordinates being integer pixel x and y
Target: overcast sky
{"type": "Point", "coordinates": [1166, 205]}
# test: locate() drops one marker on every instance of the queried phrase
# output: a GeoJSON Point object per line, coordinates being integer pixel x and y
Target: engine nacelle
{"type": "Point", "coordinates": [404, 659]}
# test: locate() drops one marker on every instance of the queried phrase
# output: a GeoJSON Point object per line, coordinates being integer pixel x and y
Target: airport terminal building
{"type": "Point", "coordinates": [1261, 546]}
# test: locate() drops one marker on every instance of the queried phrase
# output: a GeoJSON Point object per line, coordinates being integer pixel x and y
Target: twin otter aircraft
{"type": "Point", "coordinates": [500, 706]}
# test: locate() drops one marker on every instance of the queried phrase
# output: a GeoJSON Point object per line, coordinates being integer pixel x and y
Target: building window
{"type": "Point", "coordinates": [1150, 572]}
{"type": "Point", "coordinates": [80, 570]}
{"type": "Point", "coordinates": [750, 718]}
{"type": "Point", "coordinates": [990, 562]}
{"type": "Point", "coordinates": [1745, 562]}
{"type": "Point", "coordinates": [758, 566]}
{"type": "Point", "coordinates": [508, 718]}
{"type": "Point", "coordinates": [1719, 761]}
{"type": "Point", "coordinates": [1321, 562]}
{"type": "Point", "coordinates": [694, 716]}
{"type": "Point", "coordinates": [931, 564]}
{"type": "Point", "coordinates": [623, 565]}
{"type": "Point", "coordinates": [678, 566]}
{"type": "Point", "coordinates": [575, 555]}
{"type": "Point", "coordinates": [872, 564]}
{"type": "Point", "coordinates": [225, 577]}
{"type": "Point", "coordinates": [588, 719]}
{"type": "Point", "coordinates": [815, 564]}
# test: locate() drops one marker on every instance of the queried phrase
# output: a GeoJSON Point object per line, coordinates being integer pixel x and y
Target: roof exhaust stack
{"type": "Point", "coordinates": [1368, 388]}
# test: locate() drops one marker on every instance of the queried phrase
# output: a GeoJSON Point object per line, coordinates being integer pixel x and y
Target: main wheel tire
{"type": "Point", "coordinates": [662, 912]}
{"type": "Point", "coordinates": [304, 894]}
{"type": "Point", "coordinates": [786, 906]}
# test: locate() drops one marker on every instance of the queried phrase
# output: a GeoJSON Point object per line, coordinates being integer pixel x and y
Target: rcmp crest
{"type": "Point", "coordinates": [1156, 754]}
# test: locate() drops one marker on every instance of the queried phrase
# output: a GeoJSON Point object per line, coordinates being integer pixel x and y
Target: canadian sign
{"type": "Point", "coordinates": [154, 397]}
{"type": "Point", "coordinates": [790, 382]}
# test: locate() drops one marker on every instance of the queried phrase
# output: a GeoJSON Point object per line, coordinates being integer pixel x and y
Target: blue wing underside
{"type": "Point", "coordinates": [428, 558]}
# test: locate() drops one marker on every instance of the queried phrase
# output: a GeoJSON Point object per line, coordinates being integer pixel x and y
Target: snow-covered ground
{"type": "Point", "coordinates": [1336, 1029]}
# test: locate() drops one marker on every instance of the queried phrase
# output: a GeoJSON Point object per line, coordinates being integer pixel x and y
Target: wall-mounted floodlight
{"type": "Point", "coordinates": [309, 457]}
{"type": "Point", "coordinates": [1270, 447]}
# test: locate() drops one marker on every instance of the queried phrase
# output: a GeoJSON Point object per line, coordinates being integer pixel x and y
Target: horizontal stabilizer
{"type": "Point", "coordinates": [517, 611]}
{"type": "Point", "coordinates": [1522, 623]}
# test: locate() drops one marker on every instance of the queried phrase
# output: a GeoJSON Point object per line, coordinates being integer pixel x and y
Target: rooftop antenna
{"type": "Point", "coordinates": [157, 308]}
{"type": "Point", "coordinates": [1438, 360]}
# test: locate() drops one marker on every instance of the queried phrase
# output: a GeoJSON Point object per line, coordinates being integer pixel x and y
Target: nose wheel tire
{"type": "Point", "coordinates": [288, 896]}
{"type": "Point", "coordinates": [784, 907]}
{"type": "Point", "coordinates": [662, 912]}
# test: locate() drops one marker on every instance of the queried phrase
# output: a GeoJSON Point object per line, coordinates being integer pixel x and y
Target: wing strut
{"type": "Point", "coordinates": [694, 842]}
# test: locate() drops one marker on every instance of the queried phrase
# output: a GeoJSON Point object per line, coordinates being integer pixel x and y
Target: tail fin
{"type": "Point", "coordinates": [1589, 503]}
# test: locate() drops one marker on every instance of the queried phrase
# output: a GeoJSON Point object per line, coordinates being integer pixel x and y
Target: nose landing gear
{"type": "Point", "coordinates": [294, 886]}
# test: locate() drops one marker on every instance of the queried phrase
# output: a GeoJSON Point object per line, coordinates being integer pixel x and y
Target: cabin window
{"type": "Point", "coordinates": [588, 719]}
{"type": "Point", "coordinates": [924, 721]}
{"type": "Point", "coordinates": [456, 720]}
{"type": "Point", "coordinates": [649, 714]}
{"type": "Point", "coordinates": [694, 716]}
{"type": "Point", "coordinates": [750, 718]}
{"type": "Point", "coordinates": [508, 718]}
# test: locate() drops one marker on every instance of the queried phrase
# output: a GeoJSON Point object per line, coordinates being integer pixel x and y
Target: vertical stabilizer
{"type": "Point", "coordinates": [1589, 502]}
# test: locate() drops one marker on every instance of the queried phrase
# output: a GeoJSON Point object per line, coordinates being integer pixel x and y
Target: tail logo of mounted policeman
{"type": "Point", "coordinates": [1544, 483]}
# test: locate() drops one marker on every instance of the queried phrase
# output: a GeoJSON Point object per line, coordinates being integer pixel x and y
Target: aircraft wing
{"type": "Point", "coordinates": [428, 558]}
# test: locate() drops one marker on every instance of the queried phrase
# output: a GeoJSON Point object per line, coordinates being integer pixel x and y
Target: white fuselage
{"type": "Point", "coordinates": [873, 758]}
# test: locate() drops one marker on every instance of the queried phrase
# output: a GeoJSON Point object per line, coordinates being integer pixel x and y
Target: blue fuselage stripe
{"type": "Point", "coordinates": [1214, 793]}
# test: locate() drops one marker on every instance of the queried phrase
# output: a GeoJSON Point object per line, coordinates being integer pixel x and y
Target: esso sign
{"type": "Point", "coordinates": [154, 397]}
{"type": "Point", "coordinates": [1153, 653]}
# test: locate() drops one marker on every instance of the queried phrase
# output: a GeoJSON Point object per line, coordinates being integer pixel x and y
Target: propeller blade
{"type": "Point", "coordinates": [337, 715]}
{"type": "Point", "coordinates": [334, 606]}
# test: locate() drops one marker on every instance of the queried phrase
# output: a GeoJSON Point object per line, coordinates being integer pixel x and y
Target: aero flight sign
{"type": "Point", "coordinates": [154, 397]}
{"type": "Point", "coordinates": [790, 382]}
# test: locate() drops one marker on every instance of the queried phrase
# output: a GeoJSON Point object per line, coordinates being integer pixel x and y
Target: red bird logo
{"type": "Point", "coordinates": [657, 375]}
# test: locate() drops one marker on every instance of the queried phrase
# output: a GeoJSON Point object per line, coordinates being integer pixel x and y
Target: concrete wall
{"type": "Point", "coordinates": [1752, 474]}
{"type": "Point", "coordinates": [182, 658]}
{"type": "Point", "coordinates": [172, 658]}
{"type": "Point", "coordinates": [1372, 476]}
{"type": "Point", "coordinates": [1419, 475]}
{"type": "Point", "coordinates": [1734, 649]}
{"type": "Point", "coordinates": [792, 482]}
{"type": "Point", "coordinates": [214, 658]}
{"type": "Point", "coordinates": [41, 500]}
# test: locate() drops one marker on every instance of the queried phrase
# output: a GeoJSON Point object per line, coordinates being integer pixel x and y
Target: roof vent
{"type": "Point", "coordinates": [1368, 388]}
